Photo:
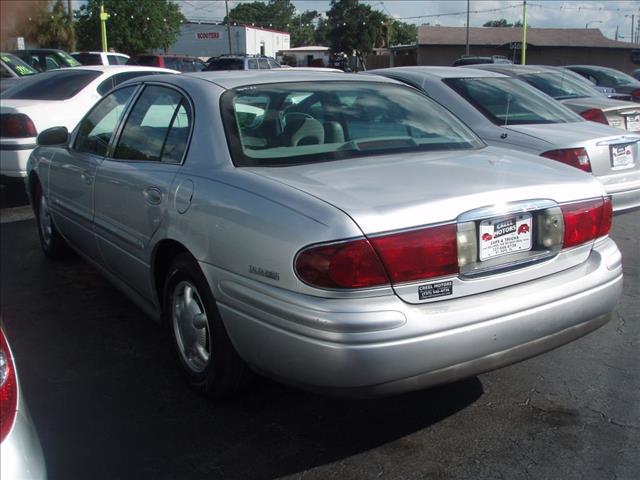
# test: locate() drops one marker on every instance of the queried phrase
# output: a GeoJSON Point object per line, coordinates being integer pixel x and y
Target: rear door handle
{"type": "Point", "coordinates": [153, 195]}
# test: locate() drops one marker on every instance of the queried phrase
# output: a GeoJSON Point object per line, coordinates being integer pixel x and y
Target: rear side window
{"type": "Point", "coordinates": [507, 101]}
{"type": "Point", "coordinates": [117, 79]}
{"type": "Point", "coordinates": [113, 59]}
{"type": "Point", "coordinates": [173, 63]}
{"type": "Point", "coordinates": [264, 64]}
{"type": "Point", "coordinates": [559, 86]}
{"type": "Point", "coordinates": [253, 64]}
{"type": "Point", "coordinates": [96, 129]}
{"type": "Point", "coordinates": [56, 85]}
{"type": "Point", "coordinates": [157, 127]}
{"type": "Point", "coordinates": [88, 58]}
{"type": "Point", "coordinates": [146, 60]}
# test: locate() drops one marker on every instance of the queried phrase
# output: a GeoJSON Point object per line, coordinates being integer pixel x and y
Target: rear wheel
{"type": "Point", "coordinates": [208, 359]}
{"type": "Point", "coordinates": [51, 242]}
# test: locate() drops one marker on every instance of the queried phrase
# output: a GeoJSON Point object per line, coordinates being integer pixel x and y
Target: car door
{"type": "Point", "coordinates": [72, 172]}
{"type": "Point", "coordinates": [133, 184]}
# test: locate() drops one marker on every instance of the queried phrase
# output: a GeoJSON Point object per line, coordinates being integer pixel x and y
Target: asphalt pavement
{"type": "Point", "coordinates": [108, 400]}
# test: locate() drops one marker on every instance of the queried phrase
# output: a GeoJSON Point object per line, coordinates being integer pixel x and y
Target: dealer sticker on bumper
{"type": "Point", "coordinates": [633, 123]}
{"type": "Point", "coordinates": [504, 236]}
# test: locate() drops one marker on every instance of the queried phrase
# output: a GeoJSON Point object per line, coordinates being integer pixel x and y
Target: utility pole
{"type": "Point", "coordinates": [103, 27]}
{"type": "Point", "coordinates": [468, 2]}
{"type": "Point", "coordinates": [523, 56]}
{"type": "Point", "coordinates": [226, 4]}
{"type": "Point", "coordinates": [616, 32]}
{"type": "Point", "coordinates": [633, 21]}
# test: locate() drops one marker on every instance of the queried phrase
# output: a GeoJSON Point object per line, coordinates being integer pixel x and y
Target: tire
{"type": "Point", "coordinates": [51, 242]}
{"type": "Point", "coordinates": [209, 361]}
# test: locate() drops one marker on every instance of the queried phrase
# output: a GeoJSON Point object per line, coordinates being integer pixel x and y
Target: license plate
{"type": "Point", "coordinates": [505, 235]}
{"type": "Point", "coordinates": [633, 123]}
{"type": "Point", "coordinates": [621, 155]}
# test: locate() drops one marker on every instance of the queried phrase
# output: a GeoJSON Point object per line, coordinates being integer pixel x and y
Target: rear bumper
{"type": "Point", "coordinates": [386, 346]}
{"type": "Point", "coordinates": [624, 200]}
{"type": "Point", "coordinates": [13, 161]}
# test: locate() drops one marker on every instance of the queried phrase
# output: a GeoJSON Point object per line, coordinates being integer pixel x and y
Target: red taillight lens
{"type": "Point", "coordinates": [419, 254]}
{"type": "Point", "coordinates": [8, 389]}
{"type": "Point", "coordinates": [16, 125]}
{"type": "Point", "coordinates": [595, 115]}
{"type": "Point", "coordinates": [586, 221]}
{"type": "Point", "coordinates": [352, 264]}
{"type": "Point", "coordinates": [575, 157]}
{"type": "Point", "coordinates": [406, 256]}
{"type": "Point", "coordinates": [635, 95]}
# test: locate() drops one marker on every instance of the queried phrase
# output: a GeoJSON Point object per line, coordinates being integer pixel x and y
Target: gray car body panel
{"type": "Point", "coordinates": [245, 226]}
{"type": "Point", "coordinates": [622, 183]}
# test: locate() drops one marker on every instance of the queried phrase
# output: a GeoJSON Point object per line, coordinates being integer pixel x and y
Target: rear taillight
{"type": "Point", "coordinates": [8, 389]}
{"type": "Point", "coordinates": [595, 115]}
{"type": "Point", "coordinates": [635, 95]}
{"type": "Point", "coordinates": [350, 264]}
{"type": "Point", "coordinates": [419, 254]}
{"type": "Point", "coordinates": [586, 221]}
{"type": "Point", "coordinates": [397, 257]}
{"type": "Point", "coordinates": [16, 125]}
{"type": "Point", "coordinates": [575, 157]}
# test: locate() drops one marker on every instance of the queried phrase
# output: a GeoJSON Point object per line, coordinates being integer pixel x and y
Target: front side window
{"type": "Point", "coordinates": [293, 123]}
{"type": "Point", "coordinates": [507, 101]}
{"type": "Point", "coordinates": [264, 64]}
{"type": "Point", "coordinates": [157, 127]}
{"type": "Point", "coordinates": [96, 129]}
{"type": "Point", "coordinates": [559, 86]}
{"type": "Point", "coordinates": [56, 85]}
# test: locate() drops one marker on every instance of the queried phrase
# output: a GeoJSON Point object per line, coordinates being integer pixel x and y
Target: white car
{"type": "Point", "coordinates": [101, 58]}
{"type": "Point", "coordinates": [53, 98]}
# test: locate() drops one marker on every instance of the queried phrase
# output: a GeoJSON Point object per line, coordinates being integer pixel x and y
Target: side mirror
{"type": "Point", "coordinates": [53, 136]}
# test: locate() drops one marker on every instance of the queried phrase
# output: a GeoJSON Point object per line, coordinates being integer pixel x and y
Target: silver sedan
{"type": "Point", "coordinates": [507, 112]}
{"type": "Point", "coordinates": [334, 231]}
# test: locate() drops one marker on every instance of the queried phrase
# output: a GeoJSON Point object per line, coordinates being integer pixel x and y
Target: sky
{"type": "Point", "coordinates": [605, 15]}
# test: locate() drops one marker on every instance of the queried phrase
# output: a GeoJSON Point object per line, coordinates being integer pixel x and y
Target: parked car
{"type": "Point", "coordinates": [476, 60]}
{"type": "Point", "coordinates": [241, 62]}
{"type": "Point", "coordinates": [59, 97]}
{"type": "Point", "coordinates": [626, 87]}
{"type": "Point", "coordinates": [43, 59]}
{"type": "Point", "coordinates": [181, 63]}
{"type": "Point", "coordinates": [636, 74]}
{"type": "Point", "coordinates": [507, 112]}
{"type": "Point", "coordinates": [605, 91]}
{"type": "Point", "coordinates": [20, 448]}
{"type": "Point", "coordinates": [100, 58]}
{"type": "Point", "coordinates": [12, 70]}
{"type": "Point", "coordinates": [327, 229]}
{"type": "Point", "coordinates": [579, 97]}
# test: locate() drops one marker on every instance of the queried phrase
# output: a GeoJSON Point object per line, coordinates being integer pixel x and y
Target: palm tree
{"type": "Point", "coordinates": [50, 28]}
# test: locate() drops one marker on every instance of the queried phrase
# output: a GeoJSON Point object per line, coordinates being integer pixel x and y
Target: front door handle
{"type": "Point", "coordinates": [86, 177]}
{"type": "Point", "coordinates": [153, 195]}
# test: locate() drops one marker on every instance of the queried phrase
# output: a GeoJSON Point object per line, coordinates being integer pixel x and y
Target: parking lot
{"type": "Point", "coordinates": [108, 400]}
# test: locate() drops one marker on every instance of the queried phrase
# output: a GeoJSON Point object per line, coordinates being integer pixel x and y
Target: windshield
{"type": "Point", "coordinates": [18, 66]}
{"type": "Point", "coordinates": [226, 64]}
{"type": "Point", "coordinates": [559, 85]}
{"type": "Point", "coordinates": [294, 123]}
{"type": "Point", "coordinates": [508, 101]}
{"type": "Point", "coordinates": [53, 85]}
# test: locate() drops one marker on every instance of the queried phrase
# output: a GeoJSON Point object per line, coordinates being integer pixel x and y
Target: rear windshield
{"type": "Point", "coordinates": [614, 77]}
{"type": "Point", "coordinates": [559, 86]}
{"type": "Point", "coordinates": [18, 66]}
{"type": "Point", "coordinates": [508, 101]}
{"type": "Point", "coordinates": [294, 123]}
{"type": "Point", "coordinates": [226, 64]}
{"type": "Point", "coordinates": [53, 85]}
{"type": "Point", "coordinates": [88, 58]}
{"type": "Point", "coordinates": [145, 60]}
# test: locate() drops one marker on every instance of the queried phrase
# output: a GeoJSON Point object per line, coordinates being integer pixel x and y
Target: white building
{"type": "Point", "coordinates": [311, 56]}
{"type": "Point", "coordinates": [212, 40]}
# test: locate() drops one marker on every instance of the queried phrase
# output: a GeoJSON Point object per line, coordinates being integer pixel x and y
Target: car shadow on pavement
{"type": "Point", "coordinates": [108, 399]}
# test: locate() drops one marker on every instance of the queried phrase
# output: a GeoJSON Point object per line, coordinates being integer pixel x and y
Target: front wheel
{"type": "Point", "coordinates": [51, 242]}
{"type": "Point", "coordinates": [208, 359]}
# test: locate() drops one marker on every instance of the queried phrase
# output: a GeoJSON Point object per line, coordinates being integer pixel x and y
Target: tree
{"type": "Point", "coordinates": [355, 27]}
{"type": "Point", "coordinates": [403, 33]}
{"type": "Point", "coordinates": [49, 28]}
{"type": "Point", "coordinates": [133, 27]}
{"type": "Point", "coordinates": [503, 22]}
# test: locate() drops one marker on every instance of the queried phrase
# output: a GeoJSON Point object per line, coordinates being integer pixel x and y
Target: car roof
{"type": "Point", "coordinates": [38, 50]}
{"type": "Point", "coordinates": [97, 53]}
{"type": "Point", "coordinates": [229, 79]}
{"type": "Point", "coordinates": [516, 69]}
{"type": "Point", "coordinates": [442, 72]}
